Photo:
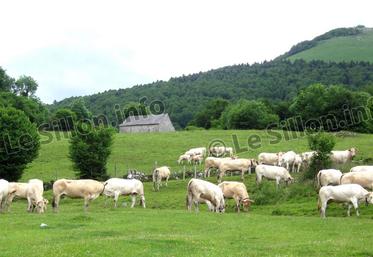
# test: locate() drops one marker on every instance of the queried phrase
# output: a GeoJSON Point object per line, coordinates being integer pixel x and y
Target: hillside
{"type": "Point", "coordinates": [356, 47]}
{"type": "Point", "coordinates": [277, 80]}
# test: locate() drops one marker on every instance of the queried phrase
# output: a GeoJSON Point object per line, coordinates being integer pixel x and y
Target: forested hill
{"type": "Point", "coordinates": [276, 80]}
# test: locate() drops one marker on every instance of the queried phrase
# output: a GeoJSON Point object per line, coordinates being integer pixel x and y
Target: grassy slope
{"type": "Point", "coordinates": [352, 48]}
{"type": "Point", "coordinates": [140, 151]}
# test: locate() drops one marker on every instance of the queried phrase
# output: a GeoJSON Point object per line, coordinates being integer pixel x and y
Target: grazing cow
{"type": "Point", "coordinates": [159, 174]}
{"type": "Point", "coordinates": [82, 188]}
{"type": "Point", "coordinates": [213, 163]}
{"type": "Point", "coordinates": [297, 163]}
{"type": "Point", "coordinates": [219, 151]}
{"type": "Point", "coordinates": [4, 191]}
{"type": "Point", "coordinates": [238, 192]}
{"type": "Point", "coordinates": [361, 168]}
{"type": "Point", "coordinates": [235, 165]}
{"type": "Point", "coordinates": [196, 151]}
{"type": "Point", "coordinates": [200, 191]}
{"type": "Point", "coordinates": [342, 157]}
{"type": "Point", "coordinates": [328, 177]}
{"type": "Point", "coordinates": [196, 159]}
{"type": "Point", "coordinates": [272, 173]}
{"type": "Point", "coordinates": [307, 157]}
{"type": "Point", "coordinates": [351, 194]}
{"type": "Point", "coordinates": [364, 179]}
{"type": "Point", "coordinates": [269, 158]}
{"type": "Point", "coordinates": [117, 186]}
{"type": "Point", "coordinates": [183, 158]}
{"type": "Point", "coordinates": [35, 190]}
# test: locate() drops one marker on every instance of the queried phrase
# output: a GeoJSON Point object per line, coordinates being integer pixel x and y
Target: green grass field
{"type": "Point", "coordinates": [141, 151]}
{"type": "Point", "coordinates": [283, 222]}
{"type": "Point", "coordinates": [351, 48]}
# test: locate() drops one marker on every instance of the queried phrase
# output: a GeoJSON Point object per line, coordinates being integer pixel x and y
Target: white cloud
{"type": "Point", "coordinates": [82, 47]}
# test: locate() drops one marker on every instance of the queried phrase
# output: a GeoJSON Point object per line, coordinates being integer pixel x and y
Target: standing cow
{"type": "Point", "coordinates": [342, 157]}
{"type": "Point", "coordinates": [88, 189]}
{"type": "Point", "coordinates": [4, 191]}
{"type": "Point", "coordinates": [238, 192]}
{"type": "Point", "coordinates": [273, 173]}
{"type": "Point", "coordinates": [115, 187]}
{"type": "Point", "coordinates": [159, 174]}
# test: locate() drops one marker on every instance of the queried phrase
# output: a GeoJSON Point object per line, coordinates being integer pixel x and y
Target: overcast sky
{"type": "Point", "coordinates": [77, 48]}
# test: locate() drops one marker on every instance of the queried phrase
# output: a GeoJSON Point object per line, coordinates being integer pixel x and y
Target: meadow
{"type": "Point", "coordinates": [283, 222]}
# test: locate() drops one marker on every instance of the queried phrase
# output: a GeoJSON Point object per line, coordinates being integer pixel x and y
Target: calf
{"type": "Point", "coordinates": [238, 192]}
{"type": "Point", "coordinates": [117, 186]}
{"type": "Point", "coordinates": [35, 200]}
{"type": "Point", "coordinates": [200, 191]}
{"type": "Point", "coordinates": [351, 194]}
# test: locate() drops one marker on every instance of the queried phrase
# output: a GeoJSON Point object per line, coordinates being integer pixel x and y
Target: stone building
{"type": "Point", "coordinates": [147, 123]}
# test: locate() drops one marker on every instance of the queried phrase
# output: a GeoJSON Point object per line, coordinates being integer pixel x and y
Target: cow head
{"type": "Point", "coordinates": [353, 152]}
{"type": "Point", "coordinates": [40, 206]}
{"type": "Point", "coordinates": [246, 203]}
{"type": "Point", "coordinates": [289, 180]}
{"type": "Point", "coordinates": [369, 198]}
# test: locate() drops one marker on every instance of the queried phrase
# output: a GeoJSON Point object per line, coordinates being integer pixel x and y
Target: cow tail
{"type": "Point", "coordinates": [54, 202]}
{"type": "Point", "coordinates": [318, 180]}
{"type": "Point", "coordinates": [340, 180]}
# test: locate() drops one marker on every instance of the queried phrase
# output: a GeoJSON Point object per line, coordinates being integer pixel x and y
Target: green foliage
{"type": "Point", "coordinates": [19, 143]}
{"type": "Point", "coordinates": [80, 109]}
{"type": "Point", "coordinates": [332, 108]}
{"type": "Point", "coordinates": [209, 115]}
{"type": "Point", "coordinates": [33, 108]}
{"type": "Point", "coordinates": [134, 109]}
{"type": "Point", "coordinates": [6, 82]}
{"type": "Point", "coordinates": [65, 118]}
{"type": "Point", "coordinates": [90, 148]}
{"type": "Point", "coordinates": [323, 143]}
{"type": "Point", "coordinates": [25, 86]}
{"type": "Point", "coordinates": [191, 128]}
{"type": "Point", "coordinates": [248, 114]}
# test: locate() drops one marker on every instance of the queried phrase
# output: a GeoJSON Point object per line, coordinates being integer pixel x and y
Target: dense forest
{"type": "Point", "coordinates": [273, 81]}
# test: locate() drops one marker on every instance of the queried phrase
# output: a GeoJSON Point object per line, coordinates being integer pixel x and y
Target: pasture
{"type": "Point", "coordinates": [282, 222]}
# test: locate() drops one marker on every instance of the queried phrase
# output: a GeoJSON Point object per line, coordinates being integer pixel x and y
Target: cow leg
{"type": "Point", "coordinates": [116, 197]}
{"type": "Point", "coordinates": [142, 201]}
{"type": "Point", "coordinates": [349, 210]}
{"type": "Point", "coordinates": [277, 182]}
{"type": "Point", "coordinates": [323, 209]}
{"type": "Point", "coordinates": [196, 206]}
{"type": "Point", "coordinates": [167, 179]}
{"type": "Point", "coordinates": [29, 204]}
{"type": "Point", "coordinates": [56, 202]}
{"type": "Point", "coordinates": [189, 201]}
{"type": "Point", "coordinates": [86, 202]}
{"type": "Point", "coordinates": [133, 197]}
{"type": "Point", "coordinates": [238, 204]}
{"type": "Point", "coordinates": [356, 206]}
{"type": "Point", "coordinates": [242, 175]}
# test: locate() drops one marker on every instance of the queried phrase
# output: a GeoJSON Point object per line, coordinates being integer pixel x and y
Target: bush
{"type": "Point", "coordinates": [323, 143]}
{"type": "Point", "coordinates": [191, 128]}
{"type": "Point", "coordinates": [89, 150]}
{"type": "Point", "coordinates": [65, 118]}
{"type": "Point", "coordinates": [19, 145]}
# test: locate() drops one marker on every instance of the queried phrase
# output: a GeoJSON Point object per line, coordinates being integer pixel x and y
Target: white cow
{"type": "Point", "coordinates": [272, 173]}
{"type": "Point", "coordinates": [361, 168]}
{"type": "Point", "coordinates": [307, 157]}
{"type": "Point", "coordinates": [159, 174]}
{"type": "Point", "coordinates": [213, 163]}
{"type": "Point", "coordinates": [117, 186]}
{"type": "Point", "coordinates": [88, 189]}
{"type": "Point", "coordinates": [196, 159]}
{"type": "Point", "coordinates": [242, 165]}
{"type": "Point", "coordinates": [4, 191]}
{"type": "Point", "coordinates": [364, 179]}
{"type": "Point", "coordinates": [17, 189]}
{"type": "Point", "coordinates": [183, 158]}
{"type": "Point", "coordinates": [196, 151]}
{"type": "Point", "coordinates": [287, 160]}
{"type": "Point", "coordinates": [269, 158]}
{"type": "Point", "coordinates": [351, 194]}
{"type": "Point", "coordinates": [238, 192]}
{"type": "Point", "coordinates": [342, 157]}
{"type": "Point", "coordinates": [221, 151]}
{"type": "Point", "coordinates": [35, 190]}
{"type": "Point", "coordinates": [200, 191]}
{"type": "Point", "coordinates": [328, 177]}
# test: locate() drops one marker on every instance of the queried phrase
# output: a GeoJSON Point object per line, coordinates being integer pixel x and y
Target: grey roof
{"type": "Point", "coordinates": [145, 120]}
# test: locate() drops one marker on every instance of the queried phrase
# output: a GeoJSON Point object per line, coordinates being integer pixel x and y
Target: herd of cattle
{"type": "Point", "coordinates": [350, 188]}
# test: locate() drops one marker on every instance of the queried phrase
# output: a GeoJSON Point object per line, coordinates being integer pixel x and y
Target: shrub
{"type": "Point", "coordinates": [19, 145]}
{"type": "Point", "coordinates": [89, 150]}
{"type": "Point", "coordinates": [323, 143]}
